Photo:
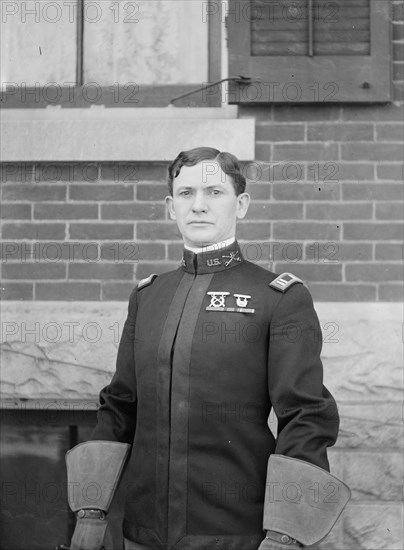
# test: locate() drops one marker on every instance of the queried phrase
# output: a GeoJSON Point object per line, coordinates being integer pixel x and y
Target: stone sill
{"type": "Point", "coordinates": [99, 134]}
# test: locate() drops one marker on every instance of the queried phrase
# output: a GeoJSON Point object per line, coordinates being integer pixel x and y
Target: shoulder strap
{"type": "Point", "coordinates": [284, 281]}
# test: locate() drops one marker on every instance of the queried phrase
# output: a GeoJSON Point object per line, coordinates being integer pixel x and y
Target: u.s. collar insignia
{"type": "Point", "coordinates": [218, 302]}
{"type": "Point", "coordinates": [233, 257]}
{"type": "Point", "coordinates": [213, 261]}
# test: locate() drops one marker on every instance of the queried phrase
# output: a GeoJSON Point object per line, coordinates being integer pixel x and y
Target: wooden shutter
{"type": "Point", "coordinates": [310, 50]}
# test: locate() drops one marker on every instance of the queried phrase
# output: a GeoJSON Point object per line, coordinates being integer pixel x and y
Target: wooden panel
{"type": "Point", "coordinates": [282, 28]}
{"type": "Point", "coordinates": [350, 71]}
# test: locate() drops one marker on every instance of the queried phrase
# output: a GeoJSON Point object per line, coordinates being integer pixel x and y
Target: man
{"type": "Point", "coordinates": [207, 351]}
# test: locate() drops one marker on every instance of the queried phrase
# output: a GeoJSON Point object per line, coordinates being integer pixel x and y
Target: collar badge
{"type": "Point", "coordinates": [233, 257]}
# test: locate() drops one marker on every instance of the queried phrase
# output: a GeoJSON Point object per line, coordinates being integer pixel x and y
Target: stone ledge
{"type": "Point", "coordinates": [131, 139]}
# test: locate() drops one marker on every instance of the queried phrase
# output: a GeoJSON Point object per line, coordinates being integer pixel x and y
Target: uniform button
{"type": "Point", "coordinates": [285, 539]}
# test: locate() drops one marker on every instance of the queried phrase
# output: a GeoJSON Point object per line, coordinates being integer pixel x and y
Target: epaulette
{"type": "Point", "coordinates": [143, 283]}
{"type": "Point", "coordinates": [284, 281]}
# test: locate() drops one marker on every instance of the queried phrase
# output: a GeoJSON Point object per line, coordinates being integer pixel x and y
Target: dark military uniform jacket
{"type": "Point", "coordinates": [207, 351]}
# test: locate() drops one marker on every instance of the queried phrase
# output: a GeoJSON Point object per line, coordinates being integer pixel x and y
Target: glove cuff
{"type": "Point", "coordinates": [302, 500]}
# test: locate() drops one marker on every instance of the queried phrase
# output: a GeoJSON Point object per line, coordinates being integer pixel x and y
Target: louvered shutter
{"type": "Point", "coordinates": [310, 50]}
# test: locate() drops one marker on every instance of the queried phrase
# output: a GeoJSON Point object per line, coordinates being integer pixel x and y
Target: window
{"type": "Point", "coordinates": [310, 50]}
{"type": "Point", "coordinates": [78, 53]}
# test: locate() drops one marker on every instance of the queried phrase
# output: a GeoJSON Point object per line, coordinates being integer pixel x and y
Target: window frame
{"type": "Point", "coordinates": [322, 78]}
{"type": "Point", "coordinates": [125, 95]}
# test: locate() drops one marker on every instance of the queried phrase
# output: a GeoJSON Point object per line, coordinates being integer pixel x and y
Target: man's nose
{"type": "Point", "coordinates": [199, 204]}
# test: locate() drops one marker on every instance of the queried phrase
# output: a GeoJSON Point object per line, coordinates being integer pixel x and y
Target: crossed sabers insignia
{"type": "Point", "coordinates": [217, 302]}
{"type": "Point", "coordinates": [233, 256]}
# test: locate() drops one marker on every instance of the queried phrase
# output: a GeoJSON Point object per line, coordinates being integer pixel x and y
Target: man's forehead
{"type": "Point", "coordinates": [206, 172]}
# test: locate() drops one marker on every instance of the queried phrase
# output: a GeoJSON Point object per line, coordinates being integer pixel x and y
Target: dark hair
{"type": "Point", "coordinates": [227, 162]}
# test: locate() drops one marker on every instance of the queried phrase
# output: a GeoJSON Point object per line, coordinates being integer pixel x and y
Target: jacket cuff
{"type": "Point", "coordinates": [302, 500]}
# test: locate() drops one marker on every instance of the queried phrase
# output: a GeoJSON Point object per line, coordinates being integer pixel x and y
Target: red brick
{"type": "Point", "coordinates": [302, 113]}
{"type": "Point", "coordinates": [277, 132]}
{"type": "Point", "coordinates": [145, 269]}
{"type": "Point", "coordinates": [267, 251]}
{"type": "Point", "coordinates": [36, 270]}
{"type": "Point", "coordinates": [253, 230]}
{"type": "Point", "coordinates": [389, 132]}
{"type": "Point", "coordinates": [162, 231]}
{"type": "Point", "coordinates": [34, 192]}
{"type": "Point", "coordinates": [390, 171]}
{"type": "Point", "coordinates": [117, 291]}
{"type": "Point", "coordinates": [340, 132]}
{"type": "Point", "coordinates": [398, 32]}
{"type": "Point", "coordinates": [306, 230]}
{"type": "Point", "coordinates": [389, 252]}
{"type": "Point", "coordinates": [262, 113]}
{"type": "Point", "coordinates": [54, 211]}
{"type": "Point", "coordinates": [53, 172]}
{"type": "Point", "coordinates": [151, 192]}
{"type": "Point", "coordinates": [127, 172]}
{"type": "Point", "coordinates": [373, 231]}
{"type": "Point", "coordinates": [34, 231]}
{"type": "Point", "coordinates": [263, 152]}
{"type": "Point", "coordinates": [132, 252]}
{"type": "Point", "coordinates": [305, 191]}
{"type": "Point", "coordinates": [101, 231]}
{"type": "Point", "coordinates": [398, 71]}
{"type": "Point", "coordinates": [338, 251]}
{"type": "Point", "coordinates": [306, 151]}
{"type": "Point", "coordinates": [374, 272]}
{"type": "Point", "coordinates": [391, 293]}
{"type": "Point", "coordinates": [398, 53]}
{"type": "Point", "coordinates": [355, 172]}
{"type": "Point", "coordinates": [100, 271]}
{"type": "Point", "coordinates": [174, 251]}
{"type": "Point", "coordinates": [389, 211]}
{"type": "Point", "coordinates": [378, 112]}
{"type": "Point", "coordinates": [133, 211]}
{"type": "Point", "coordinates": [339, 211]}
{"type": "Point", "coordinates": [398, 11]}
{"type": "Point", "coordinates": [22, 172]}
{"type": "Point", "coordinates": [372, 191]}
{"type": "Point", "coordinates": [41, 251]}
{"type": "Point", "coordinates": [259, 191]}
{"type": "Point", "coordinates": [311, 272]}
{"type": "Point", "coordinates": [398, 92]}
{"type": "Point", "coordinates": [67, 291]}
{"type": "Point", "coordinates": [372, 151]}
{"type": "Point", "coordinates": [275, 211]}
{"type": "Point", "coordinates": [342, 292]}
{"type": "Point", "coordinates": [17, 291]}
{"type": "Point", "coordinates": [101, 192]}
{"type": "Point", "coordinates": [15, 211]}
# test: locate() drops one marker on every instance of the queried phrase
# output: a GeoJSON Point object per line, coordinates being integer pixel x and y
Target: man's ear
{"type": "Point", "coordinates": [243, 202]}
{"type": "Point", "coordinates": [170, 206]}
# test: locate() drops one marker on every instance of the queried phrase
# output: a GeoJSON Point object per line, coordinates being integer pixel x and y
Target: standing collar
{"type": "Point", "coordinates": [210, 261]}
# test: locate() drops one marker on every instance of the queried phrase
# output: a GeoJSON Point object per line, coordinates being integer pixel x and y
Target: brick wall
{"type": "Point", "coordinates": [327, 188]}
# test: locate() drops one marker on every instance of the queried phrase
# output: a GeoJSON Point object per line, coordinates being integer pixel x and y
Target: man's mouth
{"type": "Point", "coordinates": [200, 223]}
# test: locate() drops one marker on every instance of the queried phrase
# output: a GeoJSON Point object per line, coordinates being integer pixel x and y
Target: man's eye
{"type": "Point", "coordinates": [215, 192]}
{"type": "Point", "coordinates": [185, 193]}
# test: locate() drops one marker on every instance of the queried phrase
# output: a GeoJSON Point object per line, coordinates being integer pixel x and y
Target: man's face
{"type": "Point", "coordinates": [204, 204]}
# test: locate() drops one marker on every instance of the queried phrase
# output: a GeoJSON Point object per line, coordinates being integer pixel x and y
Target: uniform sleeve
{"type": "Point", "coordinates": [307, 414]}
{"type": "Point", "coordinates": [118, 401]}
